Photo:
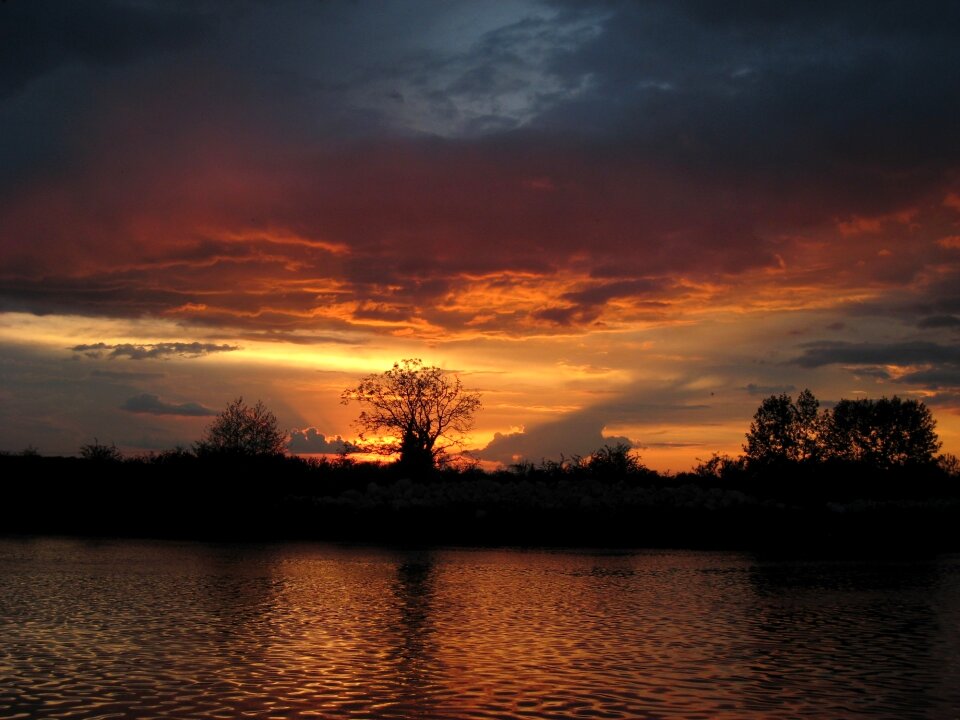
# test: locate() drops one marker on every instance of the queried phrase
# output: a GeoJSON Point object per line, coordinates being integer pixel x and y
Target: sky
{"type": "Point", "coordinates": [617, 221]}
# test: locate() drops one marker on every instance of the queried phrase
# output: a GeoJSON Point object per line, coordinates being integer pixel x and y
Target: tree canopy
{"type": "Point", "coordinates": [884, 433]}
{"type": "Point", "coordinates": [422, 407]}
{"type": "Point", "coordinates": [784, 430]}
{"type": "Point", "coordinates": [881, 433]}
{"type": "Point", "coordinates": [243, 430]}
{"type": "Point", "coordinates": [97, 451]}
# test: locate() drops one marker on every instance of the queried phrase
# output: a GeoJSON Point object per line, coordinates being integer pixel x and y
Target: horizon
{"type": "Point", "coordinates": [616, 222]}
{"type": "Point", "coordinates": [302, 444]}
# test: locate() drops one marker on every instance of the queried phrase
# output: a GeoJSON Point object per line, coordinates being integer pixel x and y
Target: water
{"type": "Point", "coordinates": [130, 629]}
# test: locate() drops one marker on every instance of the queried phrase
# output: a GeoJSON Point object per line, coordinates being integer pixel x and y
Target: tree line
{"type": "Point", "coordinates": [807, 474]}
{"type": "Point", "coordinates": [882, 434]}
{"type": "Point", "coordinates": [425, 413]}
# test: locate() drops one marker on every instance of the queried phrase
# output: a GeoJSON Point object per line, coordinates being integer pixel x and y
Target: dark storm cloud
{"type": "Point", "coordinates": [929, 307]}
{"type": "Point", "coordinates": [628, 141]}
{"type": "Point", "coordinates": [109, 294]}
{"type": "Point", "coordinates": [39, 36]}
{"type": "Point", "coordinates": [153, 405]}
{"type": "Point", "coordinates": [756, 85]}
{"type": "Point", "coordinates": [154, 351]}
{"type": "Point", "coordinates": [721, 85]}
{"type": "Point", "coordinates": [600, 294]}
{"type": "Point", "coordinates": [818, 354]}
{"type": "Point", "coordinates": [939, 321]}
{"type": "Point", "coordinates": [568, 316]}
{"type": "Point", "coordinates": [586, 305]}
{"type": "Point", "coordinates": [944, 377]}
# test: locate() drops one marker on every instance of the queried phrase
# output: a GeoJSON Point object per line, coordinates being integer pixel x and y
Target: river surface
{"type": "Point", "coordinates": [131, 629]}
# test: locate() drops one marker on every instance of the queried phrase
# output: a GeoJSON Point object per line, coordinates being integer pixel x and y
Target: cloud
{"type": "Point", "coordinates": [937, 378]}
{"type": "Point", "coordinates": [122, 375]}
{"type": "Point", "coordinates": [310, 173]}
{"type": "Point", "coordinates": [153, 351]}
{"type": "Point", "coordinates": [153, 405]}
{"type": "Point", "coordinates": [877, 373]}
{"type": "Point", "coordinates": [310, 441]}
{"type": "Point", "coordinates": [754, 389]}
{"type": "Point", "coordinates": [580, 432]}
{"type": "Point", "coordinates": [636, 145]}
{"type": "Point", "coordinates": [939, 321]}
{"type": "Point", "coordinates": [38, 37]}
{"type": "Point", "coordinates": [604, 292]}
{"type": "Point", "coordinates": [650, 445]}
{"type": "Point", "coordinates": [567, 316]}
{"type": "Point", "coordinates": [297, 338]}
{"type": "Point", "coordinates": [939, 364]}
{"type": "Point", "coordinates": [568, 437]}
{"type": "Point", "coordinates": [820, 353]}
{"type": "Point", "coordinates": [776, 90]}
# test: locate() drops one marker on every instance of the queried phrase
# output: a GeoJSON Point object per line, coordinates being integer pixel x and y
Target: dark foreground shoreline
{"type": "Point", "coordinates": [287, 499]}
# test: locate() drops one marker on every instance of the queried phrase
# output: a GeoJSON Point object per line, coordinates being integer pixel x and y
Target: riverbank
{"type": "Point", "coordinates": [287, 499]}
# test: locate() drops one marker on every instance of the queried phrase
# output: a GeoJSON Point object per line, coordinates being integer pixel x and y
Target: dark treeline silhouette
{"type": "Point", "coordinates": [863, 473]}
{"type": "Point", "coordinates": [877, 434]}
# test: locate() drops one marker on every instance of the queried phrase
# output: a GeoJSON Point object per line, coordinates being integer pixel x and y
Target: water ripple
{"type": "Point", "coordinates": [178, 630]}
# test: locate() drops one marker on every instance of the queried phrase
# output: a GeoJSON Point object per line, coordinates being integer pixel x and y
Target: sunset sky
{"type": "Point", "coordinates": [619, 221]}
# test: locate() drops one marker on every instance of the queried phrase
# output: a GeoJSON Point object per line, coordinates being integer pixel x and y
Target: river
{"type": "Point", "coordinates": [140, 629]}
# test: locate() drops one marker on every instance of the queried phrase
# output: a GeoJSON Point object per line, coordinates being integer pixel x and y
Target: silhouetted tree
{"type": "Point", "coordinates": [614, 461]}
{"type": "Point", "coordinates": [718, 467]}
{"type": "Point", "coordinates": [178, 455]}
{"type": "Point", "coordinates": [420, 406]}
{"type": "Point", "coordinates": [100, 452]}
{"type": "Point", "coordinates": [243, 430]}
{"type": "Point", "coordinates": [883, 433]}
{"type": "Point", "coordinates": [784, 431]}
{"type": "Point", "coordinates": [807, 427]}
{"type": "Point", "coordinates": [949, 465]}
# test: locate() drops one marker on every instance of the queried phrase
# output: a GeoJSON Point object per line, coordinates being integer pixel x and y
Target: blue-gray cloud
{"type": "Point", "coordinates": [309, 441]}
{"type": "Point", "coordinates": [39, 36]}
{"type": "Point", "coordinates": [572, 436]}
{"type": "Point", "coordinates": [946, 377]}
{"type": "Point", "coordinates": [939, 321]}
{"type": "Point", "coordinates": [582, 432]}
{"type": "Point", "coordinates": [777, 87]}
{"type": "Point", "coordinates": [152, 351]}
{"type": "Point", "coordinates": [153, 405]}
{"type": "Point", "coordinates": [818, 354]}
